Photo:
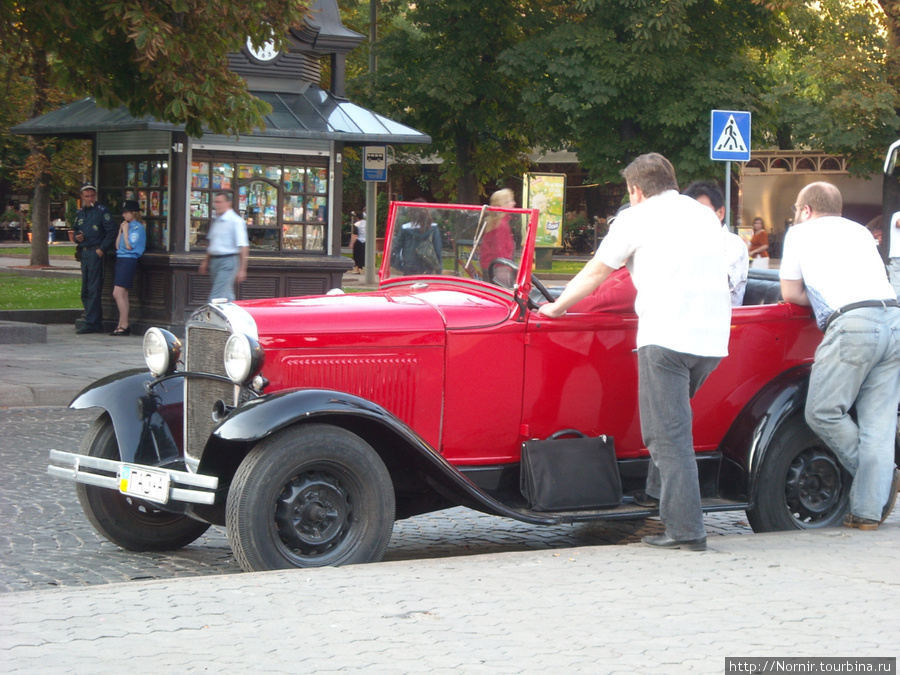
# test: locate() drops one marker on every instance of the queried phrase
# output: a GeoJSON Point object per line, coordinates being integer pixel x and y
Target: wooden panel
{"type": "Point", "coordinates": [258, 287]}
{"type": "Point", "coordinates": [305, 286]}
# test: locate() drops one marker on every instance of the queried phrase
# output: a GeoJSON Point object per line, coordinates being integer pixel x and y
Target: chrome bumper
{"type": "Point", "coordinates": [104, 473]}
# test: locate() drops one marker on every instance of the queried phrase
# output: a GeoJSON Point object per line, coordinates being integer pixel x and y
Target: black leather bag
{"type": "Point", "coordinates": [568, 474]}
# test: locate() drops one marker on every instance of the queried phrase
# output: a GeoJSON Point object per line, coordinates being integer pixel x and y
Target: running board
{"type": "Point", "coordinates": [627, 510]}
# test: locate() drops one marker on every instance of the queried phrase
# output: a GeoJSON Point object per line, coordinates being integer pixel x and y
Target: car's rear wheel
{"type": "Point", "coordinates": [311, 496]}
{"type": "Point", "coordinates": [802, 485]}
{"type": "Point", "coordinates": [131, 523]}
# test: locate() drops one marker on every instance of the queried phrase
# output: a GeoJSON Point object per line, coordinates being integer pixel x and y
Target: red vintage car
{"type": "Point", "coordinates": [307, 426]}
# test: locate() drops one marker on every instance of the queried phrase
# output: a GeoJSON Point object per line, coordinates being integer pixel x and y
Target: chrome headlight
{"type": "Point", "coordinates": [244, 358]}
{"type": "Point", "coordinates": [162, 351]}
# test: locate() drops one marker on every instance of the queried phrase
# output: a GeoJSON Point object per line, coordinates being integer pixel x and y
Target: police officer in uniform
{"type": "Point", "coordinates": [95, 233]}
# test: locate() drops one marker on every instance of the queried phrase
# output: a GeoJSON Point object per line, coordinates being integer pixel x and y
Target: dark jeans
{"type": "Point", "coordinates": [92, 287]}
{"type": "Point", "coordinates": [667, 380]}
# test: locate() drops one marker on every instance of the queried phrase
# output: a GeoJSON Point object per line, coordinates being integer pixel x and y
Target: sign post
{"type": "Point", "coordinates": [729, 141]}
{"type": "Point", "coordinates": [374, 171]}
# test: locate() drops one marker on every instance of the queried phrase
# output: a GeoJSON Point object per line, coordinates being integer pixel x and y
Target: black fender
{"type": "Point", "coordinates": [139, 414]}
{"type": "Point", "coordinates": [400, 447]}
{"type": "Point", "coordinates": [750, 436]}
{"type": "Point", "coordinates": [747, 442]}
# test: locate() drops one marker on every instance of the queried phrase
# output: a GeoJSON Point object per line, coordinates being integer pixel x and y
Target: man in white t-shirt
{"type": "Point", "coordinates": [894, 252]}
{"type": "Point", "coordinates": [672, 246]}
{"type": "Point", "coordinates": [833, 265]}
{"type": "Point", "coordinates": [227, 251]}
{"type": "Point", "coordinates": [736, 254]}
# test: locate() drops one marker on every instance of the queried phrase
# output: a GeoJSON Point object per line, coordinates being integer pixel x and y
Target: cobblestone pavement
{"type": "Point", "coordinates": [47, 542]}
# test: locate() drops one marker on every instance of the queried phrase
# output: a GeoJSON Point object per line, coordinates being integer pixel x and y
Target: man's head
{"type": "Point", "coordinates": [222, 202]}
{"type": "Point", "coordinates": [88, 194]}
{"type": "Point", "coordinates": [708, 194]}
{"type": "Point", "coordinates": [648, 176]}
{"type": "Point", "coordinates": [817, 200]}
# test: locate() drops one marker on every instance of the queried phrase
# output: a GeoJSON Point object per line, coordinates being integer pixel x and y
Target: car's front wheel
{"type": "Point", "coordinates": [311, 496]}
{"type": "Point", "coordinates": [802, 485]}
{"type": "Point", "coordinates": [133, 524]}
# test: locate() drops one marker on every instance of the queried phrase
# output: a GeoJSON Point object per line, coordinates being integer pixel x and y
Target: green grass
{"type": "Point", "coordinates": [55, 251]}
{"type": "Point", "coordinates": [20, 292]}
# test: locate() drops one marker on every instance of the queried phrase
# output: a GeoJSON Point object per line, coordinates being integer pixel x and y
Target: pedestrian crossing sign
{"type": "Point", "coordinates": [730, 136]}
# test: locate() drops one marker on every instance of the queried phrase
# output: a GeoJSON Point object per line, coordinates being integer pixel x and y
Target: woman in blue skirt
{"type": "Point", "coordinates": [130, 244]}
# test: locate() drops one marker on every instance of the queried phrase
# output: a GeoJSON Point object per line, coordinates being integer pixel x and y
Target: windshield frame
{"type": "Point", "coordinates": [522, 286]}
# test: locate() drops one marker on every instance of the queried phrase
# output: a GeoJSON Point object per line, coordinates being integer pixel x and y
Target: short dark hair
{"type": "Point", "coordinates": [707, 188]}
{"type": "Point", "coordinates": [652, 173]}
{"type": "Point", "coordinates": [225, 195]}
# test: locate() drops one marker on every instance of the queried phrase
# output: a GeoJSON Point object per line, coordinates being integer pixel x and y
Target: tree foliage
{"type": "Point", "coordinates": [439, 71]}
{"type": "Point", "coordinates": [623, 77]}
{"type": "Point", "coordinates": [829, 85]}
{"type": "Point", "coordinates": [166, 58]}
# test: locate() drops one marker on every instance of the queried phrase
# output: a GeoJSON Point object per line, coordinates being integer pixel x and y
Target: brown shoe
{"type": "Point", "coordinates": [892, 496]}
{"type": "Point", "coordinates": [860, 523]}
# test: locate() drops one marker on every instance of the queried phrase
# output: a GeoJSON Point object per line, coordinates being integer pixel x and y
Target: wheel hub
{"type": "Point", "coordinates": [813, 485]}
{"type": "Point", "coordinates": [312, 513]}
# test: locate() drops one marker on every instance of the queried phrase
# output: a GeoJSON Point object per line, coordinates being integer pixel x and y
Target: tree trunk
{"type": "Point", "coordinates": [40, 161]}
{"type": "Point", "coordinates": [467, 184]}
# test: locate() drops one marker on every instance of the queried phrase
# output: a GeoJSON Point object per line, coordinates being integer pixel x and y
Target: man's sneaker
{"type": "Point", "coordinates": [892, 497]}
{"type": "Point", "coordinates": [860, 523]}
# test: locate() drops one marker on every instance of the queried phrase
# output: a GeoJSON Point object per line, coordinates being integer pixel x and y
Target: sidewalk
{"type": "Point", "coordinates": [605, 609]}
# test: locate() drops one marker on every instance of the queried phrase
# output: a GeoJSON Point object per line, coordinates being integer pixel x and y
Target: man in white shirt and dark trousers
{"type": "Point", "coordinates": [672, 246]}
{"type": "Point", "coordinates": [833, 265]}
{"type": "Point", "coordinates": [227, 250]}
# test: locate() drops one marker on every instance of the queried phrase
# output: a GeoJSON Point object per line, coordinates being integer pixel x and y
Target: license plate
{"type": "Point", "coordinates": [143, 483]}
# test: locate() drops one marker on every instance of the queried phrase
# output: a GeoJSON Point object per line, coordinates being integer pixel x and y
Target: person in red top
{"type": "Point", "coordinates": [497, 240]}
{"type": "Point", "coordinates": [616, 294]}
{"type": "Point", "coordinates": [759, 245]}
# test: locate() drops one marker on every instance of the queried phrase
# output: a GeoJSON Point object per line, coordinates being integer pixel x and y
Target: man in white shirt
{"type": "Point", "coordinates": [736, 254]}
{"type": "Point", "coordinates": [894, 252]}
{"type": "Point", "coordinates": [227, 250]}
{"type": "Point", "coordinates": [672, 246]}
{"type": "Point", "coordinates": [833, 265]}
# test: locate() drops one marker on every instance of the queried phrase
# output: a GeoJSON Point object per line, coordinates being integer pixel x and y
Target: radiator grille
{"type": "Point", "coordinates": [205, 349]}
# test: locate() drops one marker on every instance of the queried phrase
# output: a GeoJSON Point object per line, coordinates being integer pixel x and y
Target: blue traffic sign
{"type": "Point", "coordinates": [730, 136]}
{"type": "Point", "coordinates": [375, 163]}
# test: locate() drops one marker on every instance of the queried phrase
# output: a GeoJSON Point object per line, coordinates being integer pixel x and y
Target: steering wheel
{"type": "Point", "coordinates": [535, 282]}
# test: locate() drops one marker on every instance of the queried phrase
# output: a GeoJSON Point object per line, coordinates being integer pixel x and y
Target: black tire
{"type": "Point", "coordinates": [802, 485]}
{"type": "Point", "coordinates": [310, 496]}
{"type": "Point", "coordinates": [133, 524]}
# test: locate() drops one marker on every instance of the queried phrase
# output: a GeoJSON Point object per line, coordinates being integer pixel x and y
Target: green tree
{"type": "Point", "coordinates": [44, 165]}
{"type": "Point", "coordinates": [829, 85]}
{"type": "Point", "coordinates": [438, 70]}
{"type": "Point", "coordinates": [623, 77]}
{"type": "Point", "coordinates": [168, 59]}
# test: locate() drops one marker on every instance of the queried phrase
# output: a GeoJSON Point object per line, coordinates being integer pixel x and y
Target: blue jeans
{"type": "Point", "coordinates": [859, 362]}
{"type": "Point", "coordinates": [222, 271]}
{"type": "Point", "coordinates": [667, 380]}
